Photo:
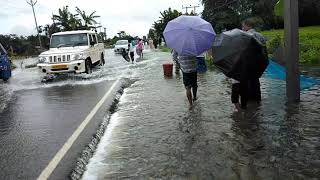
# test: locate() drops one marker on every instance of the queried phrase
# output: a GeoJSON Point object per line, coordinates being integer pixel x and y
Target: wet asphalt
{"type": "Point", "coordinates": [151, 134]}
{"type": "Point", "coordinates": [36, 119]}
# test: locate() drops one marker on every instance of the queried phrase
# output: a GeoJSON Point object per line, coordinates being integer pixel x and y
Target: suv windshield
{"type": "Point", "coordinates": [122, 42]}
{"type": "Point", "coordinates": [69, 40]}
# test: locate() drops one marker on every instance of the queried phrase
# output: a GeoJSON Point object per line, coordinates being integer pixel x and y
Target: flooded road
{"type": "Point", "coordinates": [149, 131]}
{"type": "Point", "coordinates": [36, 119]}
{"type": "Point", "coordinates": [152, 135]}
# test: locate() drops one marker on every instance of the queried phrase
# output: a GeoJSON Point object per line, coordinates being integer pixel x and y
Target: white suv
{"type": "Point", "coordinates": [72, 51]}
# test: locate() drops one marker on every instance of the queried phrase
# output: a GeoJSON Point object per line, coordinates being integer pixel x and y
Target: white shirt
{"type": "Point", "coordinates": [131, 48]}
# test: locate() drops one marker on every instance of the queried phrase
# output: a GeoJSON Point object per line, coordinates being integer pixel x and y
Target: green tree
{"type": "Point", "coordinates": [65, 19]}
{"type": "Point", "coordinates": [160, 25]}
{"type": "Point", "coordinates": [88, 20]}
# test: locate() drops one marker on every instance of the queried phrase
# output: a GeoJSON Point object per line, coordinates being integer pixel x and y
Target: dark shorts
{"type": "Point", "coordinates": [190, 79]}
{"type": "Point", "coordinates": [132, 56]}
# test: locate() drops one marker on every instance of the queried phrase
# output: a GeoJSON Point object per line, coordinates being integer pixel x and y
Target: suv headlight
{"type": "Point", "coordinates": [42, 59]}
{"type": "Point", "coordinates": [78, 56]}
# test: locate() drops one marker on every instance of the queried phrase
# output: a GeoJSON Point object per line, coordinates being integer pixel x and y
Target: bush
{"type": "Point", "coordinates": [309, 43]}
{"type": "Point", "coordinates": [273, 44]}
{"type": "Point", "coordinates": [310, 56]}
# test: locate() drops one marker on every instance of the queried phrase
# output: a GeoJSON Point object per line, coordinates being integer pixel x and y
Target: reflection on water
{"type": "Point", "coordinates": [29, 79]}
{"type": "Point", "coordinates": [155, 136]}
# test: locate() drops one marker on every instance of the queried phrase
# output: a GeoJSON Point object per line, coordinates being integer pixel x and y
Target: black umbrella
{"type": "Point", "coordinates": [239, 55]}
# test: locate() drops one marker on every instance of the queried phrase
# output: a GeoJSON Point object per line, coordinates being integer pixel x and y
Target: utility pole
{"type": "Point", "coordinates": [105, 33]}
{"type": "Point", "coordinates": [190, 7]}
{"type": "Point", "coordinates": [32, 4]}
{"type": "Point", "coordinates": [291, 23]}
{"type": "Point", "coordinates": [194, 8]}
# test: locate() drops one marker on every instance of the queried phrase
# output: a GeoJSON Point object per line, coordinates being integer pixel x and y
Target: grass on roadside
{"type": "Point", "coordinates": [164, 49]}
{"type": "Point", "coordinates": [309, 40]}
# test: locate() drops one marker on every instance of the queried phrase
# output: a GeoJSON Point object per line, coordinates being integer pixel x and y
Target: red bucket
{"type": "Point", "coordinates": [167, 69]}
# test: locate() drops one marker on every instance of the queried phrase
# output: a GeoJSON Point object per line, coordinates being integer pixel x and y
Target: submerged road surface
{"type": "Point", "coordinates": [37, 119]}
{"type": "Point", "coordinates": [149, 131]}
{"type": "Point", "coordinates": [153, 135]}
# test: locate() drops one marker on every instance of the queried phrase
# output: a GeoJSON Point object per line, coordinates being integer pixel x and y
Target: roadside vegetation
{"type": "Point", "coordinates": [228, 14]}
{"type": "Point", "coordinates": [164, 49]}
{"type": "Point", "coordinates": [309, 40]}
{"type": "Point", "coordinates": [25, 46]}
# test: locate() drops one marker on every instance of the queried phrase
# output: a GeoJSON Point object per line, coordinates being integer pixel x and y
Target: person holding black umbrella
{"type": "Point", "coordinates": [254, 91]}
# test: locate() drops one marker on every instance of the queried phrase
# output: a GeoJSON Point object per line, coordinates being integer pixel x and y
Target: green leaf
{"type": "Point", "coordinates": [279, 8]}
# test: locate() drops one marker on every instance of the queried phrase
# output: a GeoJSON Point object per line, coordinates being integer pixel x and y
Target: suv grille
{"type": "Point", "coordinates": [59, 58]}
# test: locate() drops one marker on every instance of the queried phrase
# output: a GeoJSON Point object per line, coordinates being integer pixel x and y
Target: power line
{"type": "Point", "coordinates": [32, 4]}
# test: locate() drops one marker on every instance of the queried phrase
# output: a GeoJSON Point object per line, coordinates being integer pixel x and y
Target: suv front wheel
{"type": "Point", "coordinates": [88, 65]}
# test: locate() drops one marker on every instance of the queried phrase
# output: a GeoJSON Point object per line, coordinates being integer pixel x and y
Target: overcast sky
{"type": "Point", "coordinates": [133, 16]}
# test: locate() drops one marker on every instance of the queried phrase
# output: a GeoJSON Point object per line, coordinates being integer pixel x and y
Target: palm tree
{"type": "Point", "coordinates": [63, 18]}
{"type": "Point", "coordinates": [89, 20]}
{"type": "Point", "coordinates": [67, 20]}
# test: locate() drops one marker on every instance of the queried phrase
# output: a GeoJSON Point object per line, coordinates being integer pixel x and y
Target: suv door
{"type": "Point", "coordinates": [93, 48]}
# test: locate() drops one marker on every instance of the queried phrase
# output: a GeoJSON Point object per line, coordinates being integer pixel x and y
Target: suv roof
{"type": "Point", "coordinates": [75, 32]}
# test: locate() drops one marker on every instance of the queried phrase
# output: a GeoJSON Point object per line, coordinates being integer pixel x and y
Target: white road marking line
{"type": "Point", "coordinates": [45, 174]}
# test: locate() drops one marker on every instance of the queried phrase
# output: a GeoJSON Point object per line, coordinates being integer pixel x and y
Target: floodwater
{"type": "Point", "coordinates": [153, 135]}
{"type": "Point", "coordinates": [37, 118]}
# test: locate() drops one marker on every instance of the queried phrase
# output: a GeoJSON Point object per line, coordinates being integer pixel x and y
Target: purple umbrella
{"type": "Point", "coordinates": [189, 35]}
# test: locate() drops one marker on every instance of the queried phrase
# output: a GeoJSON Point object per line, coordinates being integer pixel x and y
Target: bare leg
{"type": "Point", "coordinates": [194, 92]}
{"type": "Point", "coordinates": [189, 96]}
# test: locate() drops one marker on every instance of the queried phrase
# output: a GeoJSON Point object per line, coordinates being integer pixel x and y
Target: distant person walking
{"type": "Point", "coordinates": [131, 51]}
{"type": "Point", "coordinates": [254, 91]}
{"type": "Point", "coordinates": [155, 43]}
{"type": "Point", "coordinates": [140, 48]}
{"type": "Point", "coordinates": [151, 44]}
{"type": "Point", "coordinates": [188, 65]}
{"type": "Point", "coordinates": [175, 60]}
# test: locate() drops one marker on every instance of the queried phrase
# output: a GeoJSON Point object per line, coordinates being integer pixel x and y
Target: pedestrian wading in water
{"type": "Point", "coordinates": [188, 65]}
{"type": "Point", "coordinates": [254, 91]}
{"type": "Point", "coordinates": [131, 51]}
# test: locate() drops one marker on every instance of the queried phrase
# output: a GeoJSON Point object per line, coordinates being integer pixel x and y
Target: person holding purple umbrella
{"type": "Point", "coordinates": [188, 66]}
{"type": "Point", "coordinates": [189, 36]}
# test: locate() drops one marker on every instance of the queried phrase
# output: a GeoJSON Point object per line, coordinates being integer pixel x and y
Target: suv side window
{"type": "Point", "coordinates": [100, 38]}
{"type": "Point", "coordinates": [94, 39]}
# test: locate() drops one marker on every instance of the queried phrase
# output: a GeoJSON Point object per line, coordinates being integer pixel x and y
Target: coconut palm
{"type": "Point", "coordinates": [89, 20]}
{"type": "Point", "coordinates": [63, 18]}
{"type": "Point", "coordinates": [66, 20]}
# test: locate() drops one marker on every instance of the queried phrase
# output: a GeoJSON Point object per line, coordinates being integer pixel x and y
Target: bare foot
{"type": "Point", "coordinates": [237, 107]}
{"type": "Point", "coordinates": [190, 106]}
